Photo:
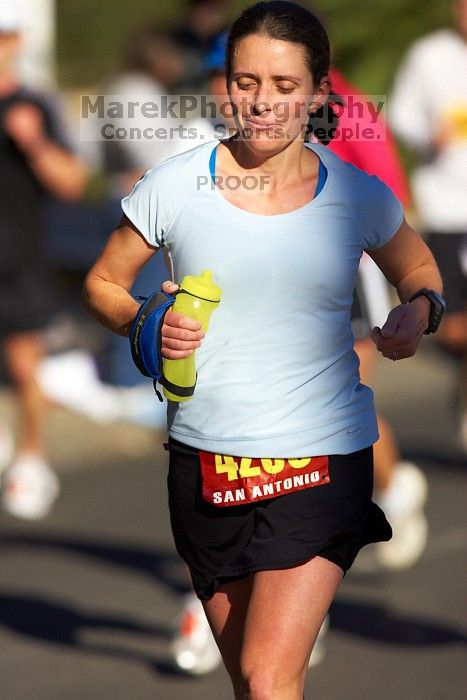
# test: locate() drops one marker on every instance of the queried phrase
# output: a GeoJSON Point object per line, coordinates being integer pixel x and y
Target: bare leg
{"type": "Point", "coordinates": [285, 613]}
{"type": "Point", "coordinates": [401, 487]}
{"type": "Point", "coordinates": [386, 453]}
{"type": "Point", "coordinates": [226, 612]}
{"type": "Point", "coordinates": [266, 626]}
{"type": "Point", "coordinates": [453, 335]}
{"type": "Point", "coordinates": [23, 352]}
{"type": "Point", "coordinates": [452, 332]}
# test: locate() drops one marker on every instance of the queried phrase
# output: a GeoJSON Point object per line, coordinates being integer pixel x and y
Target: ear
{"type": "Point", "coordinates": [320, 95]}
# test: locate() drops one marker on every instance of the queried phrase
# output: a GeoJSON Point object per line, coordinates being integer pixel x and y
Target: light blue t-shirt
{"type": "Point", "coordinates": [277, 373]}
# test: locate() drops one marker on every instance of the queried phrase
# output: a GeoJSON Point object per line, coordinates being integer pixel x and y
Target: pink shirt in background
{"type": "Point", "coordinates": [376, 157]}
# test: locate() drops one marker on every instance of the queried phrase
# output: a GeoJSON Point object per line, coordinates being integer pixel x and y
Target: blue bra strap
{"type": "Point", "coordinates": [322, 177]}
{"type": "Point", "coordinates": [212, 164]}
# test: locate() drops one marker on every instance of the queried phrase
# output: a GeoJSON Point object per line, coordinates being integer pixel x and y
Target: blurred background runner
{"type": "Point", "coordinates": [36, 162]}
{"type": "Point", "coordinates": [428, 111]}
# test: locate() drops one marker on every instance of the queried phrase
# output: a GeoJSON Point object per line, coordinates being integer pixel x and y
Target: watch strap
{"type": "Point", "coordinates": [437, 306]}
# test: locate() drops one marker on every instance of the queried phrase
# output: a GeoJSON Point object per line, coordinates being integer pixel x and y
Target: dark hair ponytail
{"type": "Point", "coordinates": [286, 21]}
{"type": "Point", "coordinates": [324, 122]}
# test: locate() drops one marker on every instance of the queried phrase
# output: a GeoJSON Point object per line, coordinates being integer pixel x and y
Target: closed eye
{"type": "Point", "coordinates": [285, 85]}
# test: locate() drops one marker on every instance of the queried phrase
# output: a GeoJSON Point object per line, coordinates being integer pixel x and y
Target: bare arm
{"type": "Point", "coordinates": [106, 294]}
{"type": "Point", "coordinates": [58, 170]}
{"type": "Point", "coordinates": [107, 297]}
{"type": "Point", "coordinates": [408, 264]}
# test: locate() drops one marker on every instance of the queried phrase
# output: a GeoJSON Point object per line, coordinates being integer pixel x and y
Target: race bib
{"type": "Point", "coordinates": [233, 481]}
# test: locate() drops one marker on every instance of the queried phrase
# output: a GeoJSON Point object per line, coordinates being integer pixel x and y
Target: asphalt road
{"type": "Point", "coordinates": [88, 595]}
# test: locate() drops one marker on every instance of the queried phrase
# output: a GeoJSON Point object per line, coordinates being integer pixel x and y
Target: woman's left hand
{"type": "Point", "coordinates": [401, 334]}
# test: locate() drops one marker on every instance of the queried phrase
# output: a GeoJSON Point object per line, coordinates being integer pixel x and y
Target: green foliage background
{"type": "Point", "coordinates": [369, 36]}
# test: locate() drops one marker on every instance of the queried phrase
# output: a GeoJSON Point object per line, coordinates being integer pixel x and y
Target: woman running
{"type": "Point", "coordinates": [270, 475]}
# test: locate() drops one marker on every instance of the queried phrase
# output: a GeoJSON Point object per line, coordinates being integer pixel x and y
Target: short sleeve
{"type": "Point", "coordinates": [380, 214]}
{"type": "Point", "coordinates": [148, 209]}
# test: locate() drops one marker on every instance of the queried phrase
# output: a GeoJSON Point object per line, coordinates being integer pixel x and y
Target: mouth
{"type": "Point", "coordinates": [260, 126]}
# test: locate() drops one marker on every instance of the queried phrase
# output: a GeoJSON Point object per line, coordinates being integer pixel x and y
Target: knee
{"type": "Point", "coordinates": [256, 686]}
{"type": "Point", "coordinates": [268, 684]}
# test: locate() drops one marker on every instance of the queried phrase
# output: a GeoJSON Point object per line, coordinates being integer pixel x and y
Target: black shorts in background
{"type": "Point", "coordinates": [26, 300]}
{"type": "Point", "coordinates": [220, 544]}
{"type": "Point", "coordinates": [448, 249]}
{"type": "Point", "coordinates": [25, 288]}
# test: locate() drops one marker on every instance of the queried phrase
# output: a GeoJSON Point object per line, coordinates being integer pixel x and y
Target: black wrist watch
{"type": "Point", "coordinates": [437, 307]}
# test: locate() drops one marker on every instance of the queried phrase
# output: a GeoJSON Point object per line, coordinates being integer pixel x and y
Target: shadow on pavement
{"type": "Point", "coordinates": [381, 624]}
{"type": "Point", "coordinates": [161, 564]}
{"type": "Point", "coordinates": [54, 622]}
{"type": "Point", "coordinates": [45, 621]}
{"type": "Point", "coordinates": [40, 618]}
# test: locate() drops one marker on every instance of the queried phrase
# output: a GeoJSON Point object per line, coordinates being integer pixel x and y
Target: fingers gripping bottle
{"type": "Point", "coordinates": [197, 297]}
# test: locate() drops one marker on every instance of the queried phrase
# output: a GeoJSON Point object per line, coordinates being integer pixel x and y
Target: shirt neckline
{"type": "Point", "coordinates": [316, 200]}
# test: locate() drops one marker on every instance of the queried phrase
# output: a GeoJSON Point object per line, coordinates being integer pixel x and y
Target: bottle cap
{"type": "Point", "coordinates": [202, 286]}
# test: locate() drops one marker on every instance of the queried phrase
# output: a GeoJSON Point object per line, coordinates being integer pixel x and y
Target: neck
{"type": "Point", "coordinates": [282, 164]}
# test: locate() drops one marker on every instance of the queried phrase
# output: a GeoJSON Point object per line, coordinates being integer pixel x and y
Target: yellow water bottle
{"type": "Point", "coordinates": [197, 297]}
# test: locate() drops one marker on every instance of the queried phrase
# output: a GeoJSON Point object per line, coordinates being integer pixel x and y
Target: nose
{"type": "Point", "coordinates": [261, 103]}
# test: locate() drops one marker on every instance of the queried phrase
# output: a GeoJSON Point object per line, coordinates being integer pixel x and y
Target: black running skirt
{"type": "Point", "coordinates": [334, 520]}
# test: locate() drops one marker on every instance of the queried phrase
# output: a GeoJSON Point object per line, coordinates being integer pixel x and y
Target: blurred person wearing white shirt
{"type": "Point", "coordinates": [428, 111]}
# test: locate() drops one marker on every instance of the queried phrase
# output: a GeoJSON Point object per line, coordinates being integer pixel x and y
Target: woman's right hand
{"type": "Point", "coordinates": [181, 335]}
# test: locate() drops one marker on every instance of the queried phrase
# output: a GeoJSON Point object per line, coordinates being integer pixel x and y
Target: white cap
{"type": "Point", "coordinates": [10, 17]}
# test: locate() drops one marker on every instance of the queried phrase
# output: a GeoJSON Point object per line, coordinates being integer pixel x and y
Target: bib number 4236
{"type": "Point", "coordinates": [229, 480]}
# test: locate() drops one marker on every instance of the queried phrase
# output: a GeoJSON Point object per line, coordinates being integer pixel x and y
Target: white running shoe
{"type": "Point", "coordinates": [403, 502]}
{"type": "Point", "coordinates": [319, 650]}
{"type": "Point", "coordinates": [29, 487]}
{"type": "Point", "coordinates": [7, 445]}
{"type": "Point", "coordinates": [193, 649]}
